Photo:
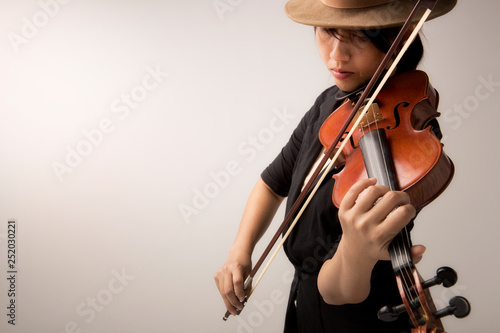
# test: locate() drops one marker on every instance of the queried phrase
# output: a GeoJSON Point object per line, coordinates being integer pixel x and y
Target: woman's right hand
{"type": "Point", "coordinates": [230, 280]}
{"type": "Point", "coordinates": [259, 212]}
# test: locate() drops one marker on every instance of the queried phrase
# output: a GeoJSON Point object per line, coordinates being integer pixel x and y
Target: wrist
{"type": "Point", "coordinates": [354, 259]}
{"type": "Point", "coordinates": [241, 249]}
{"type": "Point", "coordinates": [345, 279]}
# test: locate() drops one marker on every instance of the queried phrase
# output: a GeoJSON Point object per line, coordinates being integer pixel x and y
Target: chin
{"type": "Point", "coordinates": [345, 87]}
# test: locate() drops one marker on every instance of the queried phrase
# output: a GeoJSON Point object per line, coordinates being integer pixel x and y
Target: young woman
{"type": "Point", "coordinates": [343, 276]}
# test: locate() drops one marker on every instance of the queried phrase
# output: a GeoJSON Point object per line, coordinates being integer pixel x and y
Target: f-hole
{"type": "Point", "coordinates": [351, 140]}
{"type": "Point", "coordinates": [397, 118]}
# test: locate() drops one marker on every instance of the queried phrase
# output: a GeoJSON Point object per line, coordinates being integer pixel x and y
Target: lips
{"type": "Point", "coordinates": [340, 74]}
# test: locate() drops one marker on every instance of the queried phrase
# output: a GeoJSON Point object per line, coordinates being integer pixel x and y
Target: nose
{"type": "Point", "coordinates": [340, 50]}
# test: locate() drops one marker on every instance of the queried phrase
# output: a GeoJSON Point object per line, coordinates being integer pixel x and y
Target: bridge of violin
{"type": "Point", "coordinates": [372, 116]}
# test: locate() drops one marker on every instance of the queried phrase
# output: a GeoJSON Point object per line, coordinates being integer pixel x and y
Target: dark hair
{"type": "Point", "coordinates": [383, 39]}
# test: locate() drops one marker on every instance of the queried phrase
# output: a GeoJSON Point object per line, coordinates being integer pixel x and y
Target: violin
{"type": "Point", "coordinates": [402, 111]}
{"type": "Point", "coordinates": [370, 134]}
{"type": "Point", "coordinates": [395, 144]}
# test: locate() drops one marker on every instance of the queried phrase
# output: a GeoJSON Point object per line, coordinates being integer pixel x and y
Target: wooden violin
{"type": "Point", "coordinates": [402, 111]}
{"type": "Point", "coordinates": [395, 144]}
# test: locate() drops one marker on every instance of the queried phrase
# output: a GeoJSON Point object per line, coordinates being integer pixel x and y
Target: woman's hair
{"type": "Point", "coordinates": [383, 39]}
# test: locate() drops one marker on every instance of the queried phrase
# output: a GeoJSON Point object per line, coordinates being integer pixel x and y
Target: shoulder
{"type": "Point", "coordinates": [323, 106]}
{"type": "Point", "coordinates": [327, 93]}
{"type": "Point", "coordinates": [327, 97]}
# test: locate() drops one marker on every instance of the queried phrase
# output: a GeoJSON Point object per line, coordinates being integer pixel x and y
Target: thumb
{"type": "Point", "coordinates": [417, 251]}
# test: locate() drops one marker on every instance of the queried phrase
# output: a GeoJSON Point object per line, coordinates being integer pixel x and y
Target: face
{"type": "Point", "coordinates": [350, 56]}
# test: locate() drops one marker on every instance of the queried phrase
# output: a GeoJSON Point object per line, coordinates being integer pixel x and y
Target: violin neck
{"type": "Point", "coordinates": [378, 163]}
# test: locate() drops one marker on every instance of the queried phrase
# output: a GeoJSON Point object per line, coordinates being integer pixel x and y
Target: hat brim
{"type": "Point", "coordinates": [392, 14]}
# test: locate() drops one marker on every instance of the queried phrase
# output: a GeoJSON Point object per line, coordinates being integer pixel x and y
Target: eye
{"type": "Point", "coordinates": [326, 31]}
{"type": "Point", "coordinates": [333, 33]}
{"type": "Point", "coordinates": [326, 34]}
{"type": "Point", "coordinates": [360, 37]}
{"type": "Point", "coordinates": [360, 40]}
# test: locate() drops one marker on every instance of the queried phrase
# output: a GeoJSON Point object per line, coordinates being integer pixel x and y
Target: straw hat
{"type": "Point", "coordinates": [359, 14]}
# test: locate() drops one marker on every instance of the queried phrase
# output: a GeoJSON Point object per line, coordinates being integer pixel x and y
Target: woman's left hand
{"type": "Point", "coordinates": [371, 216]}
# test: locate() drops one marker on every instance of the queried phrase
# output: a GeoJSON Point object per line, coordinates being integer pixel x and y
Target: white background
{"type": "Point", "coordinates": [117, 210]}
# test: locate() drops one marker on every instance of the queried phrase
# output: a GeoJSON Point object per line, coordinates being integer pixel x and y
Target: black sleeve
{"type": "Point", "coordinates": [278, 175]}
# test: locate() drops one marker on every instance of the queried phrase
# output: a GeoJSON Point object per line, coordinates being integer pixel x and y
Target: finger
{"type": "Point", "coordinates": [396, 205]}
{"type": "Point", "coordinates": [417, 252]}
{"type": "Point", "coordinates": [219, 280]}
{"type": "Point", "coordinates": [353, 193]}
{"type": "Point", "coordinates": [239, 286]}
{"type": "Point", "coordinates": [229, 307]}
{"type": "Point", "coordinates": [371, 196]}
{"type": "Point", "coordinates": [396, 221]}
{"type": "Point", "coordinates": [226, 290]}
{"type": "Point", "coordinates": [231, 294]}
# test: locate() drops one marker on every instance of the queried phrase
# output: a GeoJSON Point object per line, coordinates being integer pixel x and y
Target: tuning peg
{"type": "Point", "coordinates": [390, 313]}
{"type": "Point", "coordinates": [444, 275]}
{"type": "Point", "coordinates": [459, 307]}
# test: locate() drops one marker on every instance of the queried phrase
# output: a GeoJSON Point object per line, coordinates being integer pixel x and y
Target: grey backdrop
{"type": "Point", "coordinates": [131, 133]}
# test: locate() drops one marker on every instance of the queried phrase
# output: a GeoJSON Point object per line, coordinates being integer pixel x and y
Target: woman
{"type": "Point", "coordinates": [343, 276]}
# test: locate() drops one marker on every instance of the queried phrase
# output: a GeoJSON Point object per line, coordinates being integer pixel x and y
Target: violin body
{"type": "Point", "coordinates": [404, 109]}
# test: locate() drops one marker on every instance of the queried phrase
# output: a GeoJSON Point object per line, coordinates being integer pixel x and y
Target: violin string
{"type": "Point", "coordinates": [400, 248]}
{"type": "Point", "coordinates": [400, 253]}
